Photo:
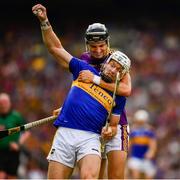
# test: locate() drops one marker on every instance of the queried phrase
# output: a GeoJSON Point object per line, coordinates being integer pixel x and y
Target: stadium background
{"type": "Point", "coordinates": [147, 31]}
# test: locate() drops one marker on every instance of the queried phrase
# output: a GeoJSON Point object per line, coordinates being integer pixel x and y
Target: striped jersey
{"type": "Point", "coordinates": [140, 138]}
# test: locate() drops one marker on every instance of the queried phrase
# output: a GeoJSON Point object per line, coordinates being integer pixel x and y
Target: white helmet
{"type": "Point", "coordinates": [122, 59]}
{"type": "Point", "coordinates": [141, 116]}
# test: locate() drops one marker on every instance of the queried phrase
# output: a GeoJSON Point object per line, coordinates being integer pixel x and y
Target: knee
{"type": "Point", "coordinates": [89, 174]}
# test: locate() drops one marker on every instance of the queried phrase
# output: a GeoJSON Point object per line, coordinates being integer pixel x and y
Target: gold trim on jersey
{"type": "Point", "coordinates": [125, 137]}
{"type": "Point", "coordinates": [96, 92]}
{"type": "Point", "coordinates": [140, 140]}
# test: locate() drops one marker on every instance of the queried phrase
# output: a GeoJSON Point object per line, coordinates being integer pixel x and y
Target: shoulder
{"type": "Point", "coordinates": [77, 65]}
{"type": "Point", "coordinates": [77, 62]}
{"type": "Point", "coordinates": [150, 130]}
{"type": "Point", "coordinates": [85, 55]}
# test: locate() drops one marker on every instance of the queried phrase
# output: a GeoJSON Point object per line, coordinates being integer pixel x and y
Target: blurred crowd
{"type": "Point", "coordinates": [38, 85]}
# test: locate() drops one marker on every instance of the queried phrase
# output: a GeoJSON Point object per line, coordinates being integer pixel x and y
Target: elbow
{"type": "Point", "coordinates": [54, 50]}
{"type": "Point", "coordinates": [51, 50]}
{"type": "Point", "coordinates": [127, 93]}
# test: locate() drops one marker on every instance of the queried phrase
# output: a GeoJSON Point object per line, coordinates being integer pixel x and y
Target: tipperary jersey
{"type": "Point", "coordinates": [140, 141]}
{"type": "Point", "coordinates": [97, 64]}
{"type": "Point", "coordinates": [87, 105]}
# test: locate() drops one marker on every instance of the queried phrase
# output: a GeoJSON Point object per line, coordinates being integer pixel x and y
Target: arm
{"type": "Point", "coordinates": [15, 146]}
{"type": "Point", "coordinates": [50, 39]}
{"type": "Point", "coordinates": [124, 88]}
{"type": "Point", "coordinates": [109, 133]}
{"type": "Point", "coordinates": [56, 112]}
{"type": "Point", "coordinates": [152, 149]}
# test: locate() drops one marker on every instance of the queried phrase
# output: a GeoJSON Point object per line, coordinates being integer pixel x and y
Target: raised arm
{"type": "Point", "coordinates": [50, 39]}
{"type": "Point", "coordinates": [124, 88]}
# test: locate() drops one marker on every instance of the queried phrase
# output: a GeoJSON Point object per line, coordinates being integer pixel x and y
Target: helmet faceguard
{"type": "Point", "coordinates": [122, 59]}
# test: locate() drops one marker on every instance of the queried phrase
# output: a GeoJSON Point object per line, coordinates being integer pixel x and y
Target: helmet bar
{"type": "Point", "coordinates": [95, 33]}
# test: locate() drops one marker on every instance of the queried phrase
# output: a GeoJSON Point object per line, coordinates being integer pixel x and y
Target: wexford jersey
{"type": "Point", "coordinates": [97, 64]}
{"type": "Point", "coordinates": [87, 105]}
{"type": "Point", "coordinates": [140, 141]}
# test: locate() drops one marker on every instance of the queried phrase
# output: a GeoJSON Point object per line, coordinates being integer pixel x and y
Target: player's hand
{"type": "Point", "coordinates": [40, 11]}
{"type": "Point", "coordinates": [24, 136]}
{"type": "Point", "coordinates": [56, 112]}
{"type": "Point", "coordinates": [14, 146]}
{"type": "Point", "coordinates": [149, 155]}
{"type": "Point", "coordinates": [86, 76]}
{"type": "Point", "coordinates": [108, 133]}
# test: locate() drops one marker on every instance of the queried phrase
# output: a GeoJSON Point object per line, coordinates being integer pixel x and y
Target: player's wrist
{"type": "Point", "coordinates": [96, 80]}
{"type": "Point", "coordinates": [45, 24]}
{"type": "Point", "coordinates": [114, 130]}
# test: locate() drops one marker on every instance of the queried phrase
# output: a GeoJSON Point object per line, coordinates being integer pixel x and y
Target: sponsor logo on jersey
{"type": "Point", "coordinates": [96, 92]}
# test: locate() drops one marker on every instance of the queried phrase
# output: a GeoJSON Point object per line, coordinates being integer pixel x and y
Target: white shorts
{"type": "Point", "coordinates": [70, 145]}
{"type": "Point", "coordinates": [143, 165]}
{"type": "Point", "coordinates": [119, 142]}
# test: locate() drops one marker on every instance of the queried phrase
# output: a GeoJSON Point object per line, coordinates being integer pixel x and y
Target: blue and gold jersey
{"type": "Point", "coordinates": [140, 139]}
{"type": "Point", "coordinates": [87, 105]}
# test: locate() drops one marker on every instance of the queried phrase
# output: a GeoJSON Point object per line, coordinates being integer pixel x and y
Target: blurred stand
{"type": "Point", "coordinates": [38, 85]}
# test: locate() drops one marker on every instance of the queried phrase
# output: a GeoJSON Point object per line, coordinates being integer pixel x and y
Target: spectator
{"type": "Point", "coordinates": [10, 146]}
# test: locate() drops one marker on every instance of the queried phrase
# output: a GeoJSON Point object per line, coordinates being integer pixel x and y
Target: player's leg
{"type": "Point", "coordinates": [62, 154]}
{"type": "Point", "coordinates": [136, 174]}
{"type": "Point", "coordinates": [89, 166]}
{"type": "Point", "coordinates": [10, 160]}
{"type": "Point", "coordinates": [135, 167]}
{"type": "Point", "coordinates": [57, 170]}
{"type": "Point", "coordinates": [149, 169]}
{"type": "Point", "coordinates": [103, 168]}
{"type": "Point", "coordinates": [3, 156]}
{"type": "Point", "coordinates": [116, 164]}
{"type": "Point", "coordinates": [89, 155]}
{"type": "Point", "coordinates": [116, 150]}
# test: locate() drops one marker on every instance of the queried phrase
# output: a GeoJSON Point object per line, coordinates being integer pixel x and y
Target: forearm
{"type": "Point", "coordinates": [152, 149]}
{"type": "Point", "coordinates": [114, 121]}
{"type": "Point", "coordinates": [122, 90]}
{"type": "Point", "coordinates": [53, 45]}
{"type": "Point", "coordinates": [108, 132]}
{"type": "Point", "coordinates": [50, 39]}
